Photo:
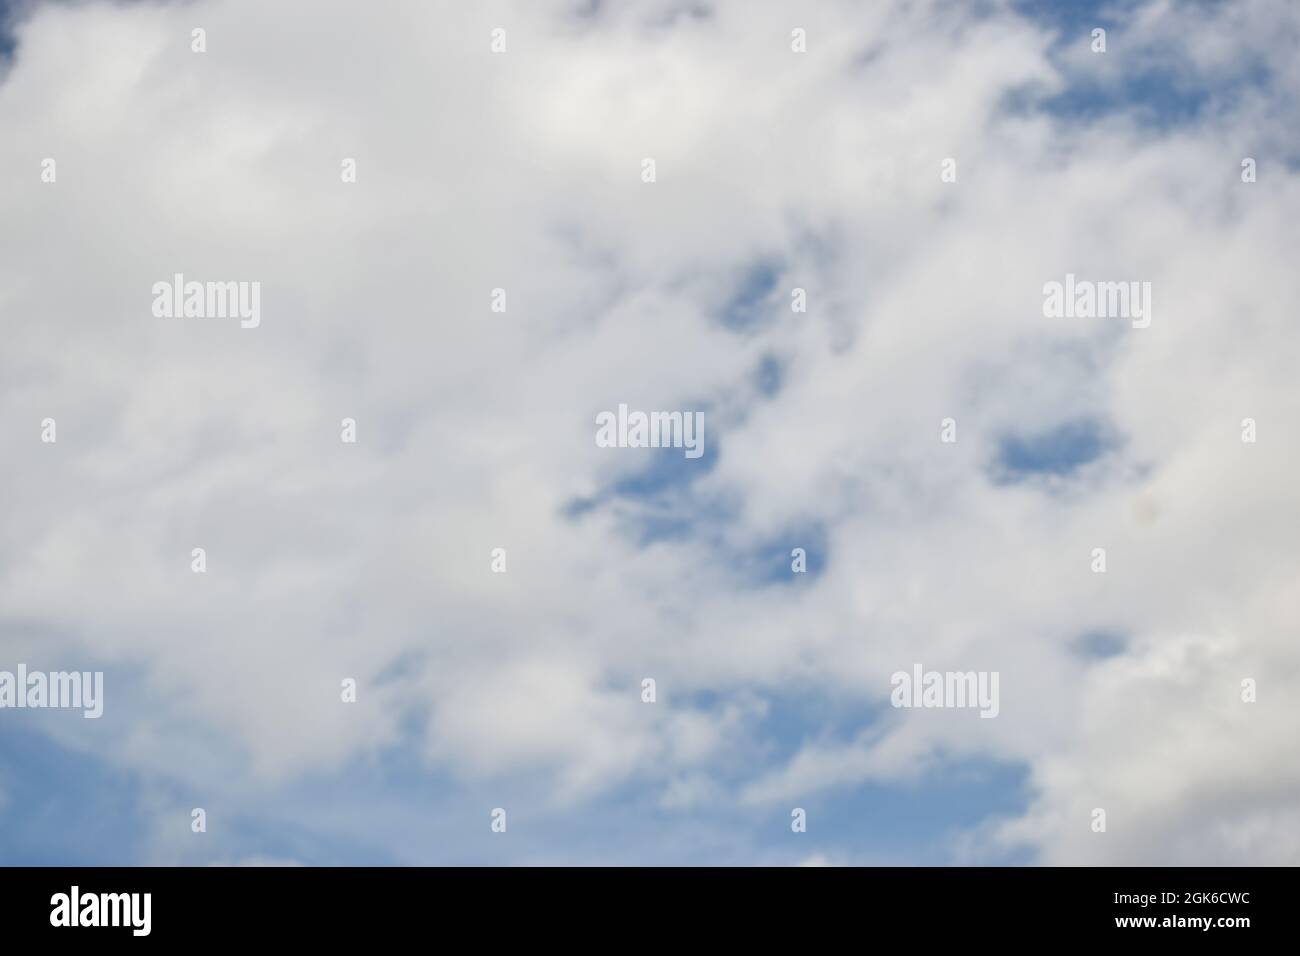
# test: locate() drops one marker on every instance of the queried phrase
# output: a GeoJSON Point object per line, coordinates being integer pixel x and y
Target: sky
{"type": "Point", "coordinates": [775, 170]}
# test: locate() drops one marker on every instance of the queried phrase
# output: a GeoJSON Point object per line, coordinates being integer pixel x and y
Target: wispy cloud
{"type": "Point", "coordinates": [775, 170]}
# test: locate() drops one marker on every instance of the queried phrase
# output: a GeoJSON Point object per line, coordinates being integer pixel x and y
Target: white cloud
{"type": "Point", "coordinates": [475, 429]}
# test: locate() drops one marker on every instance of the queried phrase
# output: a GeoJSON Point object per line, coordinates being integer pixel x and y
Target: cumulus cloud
{"type": "Point", "coordinates": [775, 170]}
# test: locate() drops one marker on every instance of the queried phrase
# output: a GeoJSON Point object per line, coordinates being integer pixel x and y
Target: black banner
{"type": "Point", "coordinates": [1150, 906]}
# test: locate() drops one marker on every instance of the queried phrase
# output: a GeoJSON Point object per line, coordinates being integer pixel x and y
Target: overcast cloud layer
{"type": "Point", "coordinates": [522, 690]}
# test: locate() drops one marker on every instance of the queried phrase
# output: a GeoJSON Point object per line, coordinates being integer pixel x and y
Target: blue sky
{"type": "Point", "coordinates": [47, 823]}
